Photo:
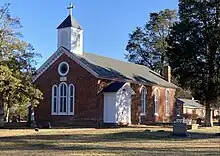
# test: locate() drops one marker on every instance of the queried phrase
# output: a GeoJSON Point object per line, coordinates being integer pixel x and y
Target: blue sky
{"type": "Point", "coordinates": [106, 23]}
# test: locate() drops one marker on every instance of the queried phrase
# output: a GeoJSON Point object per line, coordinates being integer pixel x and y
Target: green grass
{"type": "Point", "coordinates": [120, 141]}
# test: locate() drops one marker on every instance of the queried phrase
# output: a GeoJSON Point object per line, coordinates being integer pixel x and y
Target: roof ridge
{"type": "Point", "coordinates": [120, 60]}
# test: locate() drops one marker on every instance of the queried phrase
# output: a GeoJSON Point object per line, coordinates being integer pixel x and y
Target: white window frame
{"type": "Point", "coordinates": [143, 93]}
{"type": "Point", "coordinates": [69, 99]}
{"type": "Point", "coordinates": [63, 96]}
{"type": "Point", "coordinates": [156, 101]}
{"type": "Point", "coordinates": [167, 102]}
{"type": "Point", "coordinates": [54, 97]}
{"type": "Point", "coordinates": [59, 69]}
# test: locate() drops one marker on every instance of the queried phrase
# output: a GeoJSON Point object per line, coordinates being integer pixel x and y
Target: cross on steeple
{"type": "Point", "coordinates": [70, 8]}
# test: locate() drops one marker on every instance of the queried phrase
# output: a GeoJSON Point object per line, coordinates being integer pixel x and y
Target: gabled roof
{"type": "Point", "coordinates": [107, 68]}
{"type": "Point", "coordinates": [191, 103]}
{"type": "Point", "coordinates": [69, 22]}
{"type": "Point", "coordinates": [115, 69]}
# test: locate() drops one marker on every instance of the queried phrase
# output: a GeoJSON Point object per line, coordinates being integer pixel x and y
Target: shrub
{"type": "Point", "coordinates": [195, 116]}
{"type": "Point", "coordinates": [187, 116]}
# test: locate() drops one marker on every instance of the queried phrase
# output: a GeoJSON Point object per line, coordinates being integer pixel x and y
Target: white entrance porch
{"type": "Point", "coordinates": [117, 104]}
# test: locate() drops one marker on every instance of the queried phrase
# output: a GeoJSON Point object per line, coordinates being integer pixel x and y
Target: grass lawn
{"type": "Point", "coordinates": [119, 141]}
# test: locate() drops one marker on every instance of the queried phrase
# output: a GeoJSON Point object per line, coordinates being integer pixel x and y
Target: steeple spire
{"type": "Point", "coordinates": [70, 8]}
{"type": "Point", "coordinates": [70, 20]}
{"type": "Point", "coordinates": [70, 34]}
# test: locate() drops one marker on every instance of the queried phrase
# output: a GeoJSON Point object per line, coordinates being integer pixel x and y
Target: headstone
{"type": "Point", "coordinates": [180, 127]}
{"type": "Point", "coordinates": [14, 118]}
{"type": "Point", "coordinates": [199, 121]}
{"type": "Point", "coordinates": [31, 120]}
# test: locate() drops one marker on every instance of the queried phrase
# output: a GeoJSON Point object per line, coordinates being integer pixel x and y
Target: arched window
{"type": "Point", "coordinates": [167, 102]}
{"type": "Point", "coordinates": [71, 99]}
{"type": "Point", "coordinates": [156, 101]}
{"type": "Point", "coordinates": [54, 100]}
{"type": "Point", "coordinates": [143, 100]}
{"type": "Point", "coordinates": [63, 98]}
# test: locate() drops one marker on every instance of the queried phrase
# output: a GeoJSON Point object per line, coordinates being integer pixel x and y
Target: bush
{"type": "Point", "coordinates": [187, 116]}
{"type": "Point", "coordinates": [195, 116]}
{"type": "Point", "coordinates": [191, 116]}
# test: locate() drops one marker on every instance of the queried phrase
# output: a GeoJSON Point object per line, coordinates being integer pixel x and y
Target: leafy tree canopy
{"type": "Point", "coordinates": [17, 64]}
{"type": "Point", "coordinates": [194, 50]}
{"type": "Point", "coordinates": [147, 46]}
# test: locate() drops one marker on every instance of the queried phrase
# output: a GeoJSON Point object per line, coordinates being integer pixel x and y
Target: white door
{"type": "Point", "coordinates": [109, 107]}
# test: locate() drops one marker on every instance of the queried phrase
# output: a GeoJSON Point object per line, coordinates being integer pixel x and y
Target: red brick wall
{"type": "Point", "coordinates": [162, 112]}
{"type": "Point", "coordinates": [149, 117]}
{"type": "Point", "coordinates": [89, 99]}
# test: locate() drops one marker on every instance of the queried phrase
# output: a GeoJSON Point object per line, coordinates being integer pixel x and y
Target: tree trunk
{"type": "Point", "coordinates": [208, 116]}
{"type": "Point", "coordinates": [1, 113]}
{"type": "Point", "coordinates": [7, 115]}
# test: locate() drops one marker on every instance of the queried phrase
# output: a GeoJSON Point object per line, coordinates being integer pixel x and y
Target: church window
{"type": "Point", "coordinates": [143, 100]}
{"type": "Point", "coordinates": [54, 100]}
{"type": "Point", "coordinates": [71, 98]}
{"type": "Point", "coordinates": [156, 102]}
{"type": "Point", "coordinates": [167, 102]}
{"type": "Point", "coordinates": [63, 68]}
{"type": "Point", "coordinates": [63, 99]}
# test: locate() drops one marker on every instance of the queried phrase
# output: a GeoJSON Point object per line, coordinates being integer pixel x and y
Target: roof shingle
{"type": "Point", "coordinates": [191, 103]}
{"type": "Point", "coordinates": [119, 70]}
{"type": "Point", "coordinates": [69, 22]}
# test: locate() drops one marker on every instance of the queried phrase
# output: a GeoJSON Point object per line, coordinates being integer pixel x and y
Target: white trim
{"type": "Point", "coordinates": [52, 99]}
{"type": "Point", "coordinates": [142, 86]}
{"type": "Point", "coordinates": [61, 50]}
{"type": "Point", "coordinates": [59, 68]}
{"type": "Point", "coordinates": [143, 90]}
{"type": "Point", "coordinates": [71, 96]}
{"type": "Point", "coordinates": [156, 111]}
{"type": "Point", "coordinates": [63, 96]}
{"type": "Point", "coordinates": [167, 102]}
{"type": "Point", "coordinates": [66, 96]}
{"type": "Point", "coordinates": [55, 56]}
{"type": "Point", "coordinates": [129, 85]}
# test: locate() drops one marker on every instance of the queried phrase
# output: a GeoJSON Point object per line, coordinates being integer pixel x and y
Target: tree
{"type": "Point", "coordinates": [183, 93]}
{"type": "Point", "coordinates": [194, 51]}
{"type": "Point", "coordinates": [17, 66]}
{"type": "Point", "coordinates": [147, 46]}
{"type": "Point", "coordinates": [8, 83]}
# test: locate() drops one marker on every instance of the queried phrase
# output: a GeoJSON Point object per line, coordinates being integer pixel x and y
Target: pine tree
{"type": "Point", "coordinates": [194, 51]}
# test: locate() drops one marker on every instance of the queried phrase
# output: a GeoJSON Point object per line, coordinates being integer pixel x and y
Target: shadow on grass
{"type": "Point", "coordinates": [99, 142]}
{"type": "Point", "coordinates": [109, 137]}
{"type": "Point", "coordinates": [87, 148]}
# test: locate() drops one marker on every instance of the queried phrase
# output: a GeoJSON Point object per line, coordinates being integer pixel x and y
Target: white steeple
{"type": "Point", "coordinates": [70, 34]}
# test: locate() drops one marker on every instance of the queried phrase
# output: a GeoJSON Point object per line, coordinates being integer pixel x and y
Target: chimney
{"type": "Point", "coordinates": [167, 73]}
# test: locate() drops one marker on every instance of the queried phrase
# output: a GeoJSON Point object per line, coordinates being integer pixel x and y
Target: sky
{"type": "Point", "coordinates": [106, 23]}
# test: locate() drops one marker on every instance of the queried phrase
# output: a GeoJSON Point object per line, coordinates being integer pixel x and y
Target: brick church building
{"type": "Point", "coordinates": [81, 88]}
